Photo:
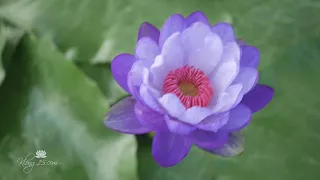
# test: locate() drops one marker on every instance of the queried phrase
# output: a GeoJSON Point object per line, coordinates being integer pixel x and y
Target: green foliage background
{"type": "Point", "coordinates": [56, 87]}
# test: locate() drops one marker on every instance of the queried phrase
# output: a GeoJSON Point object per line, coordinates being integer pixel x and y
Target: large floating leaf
{"type": "Point", "coordinates": [48, 104]}
{"type": "Point", "coordinates": [102, 75]}
{"type": "Point", "coordinates": [9, 39]}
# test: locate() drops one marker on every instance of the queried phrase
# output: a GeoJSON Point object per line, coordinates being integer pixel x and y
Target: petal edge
{"type": "Point", "coordinates": [258, 98]}
{"type": "Point", "coordinates": [148, 30]}
{"type": "Point", "coordinates": [122, 118]}
{"type": "Point", "coordinates": [168, 149]}
{"type": "Point", "coordinates": [234, 146]}
{"type": "Point", "coordinates": [120, 67]}
{"type": "Point", "coordinates": [197, 17]}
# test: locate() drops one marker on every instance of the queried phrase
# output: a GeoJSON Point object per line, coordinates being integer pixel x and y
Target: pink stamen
{"type": "Point", "coordinates": [191, 85]}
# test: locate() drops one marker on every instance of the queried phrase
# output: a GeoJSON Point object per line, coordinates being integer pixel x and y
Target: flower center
{"type": "Point", "coordinates": [188, 89]}
{"type": "Point", "coordinates": [191, 85]}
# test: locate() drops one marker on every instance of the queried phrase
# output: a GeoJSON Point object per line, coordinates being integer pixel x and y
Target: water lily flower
{"type": "Point", "coordinates": [192, 84]}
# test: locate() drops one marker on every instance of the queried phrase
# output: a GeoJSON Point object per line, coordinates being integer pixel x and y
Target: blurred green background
{"type": "Point", "coordinates": [56, 86]}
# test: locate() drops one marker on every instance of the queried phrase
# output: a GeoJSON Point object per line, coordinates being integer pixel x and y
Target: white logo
{"type": "Point", "coordinates": [41, 154]}
{"type": "Point", "coordinates": [34, 160]}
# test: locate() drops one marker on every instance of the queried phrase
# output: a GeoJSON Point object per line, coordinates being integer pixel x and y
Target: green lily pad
{"type": "Point", "coordinates": [101, 74]}
{"type": "Point", "coordinates": [48, 104]}
{"type": "Point", "coordinates": [9, 39]}
{"type": "Point", "coordinates": [2, 71]}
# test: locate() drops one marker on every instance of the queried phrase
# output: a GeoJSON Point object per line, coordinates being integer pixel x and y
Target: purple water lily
{"type": "Point", "coordinates": [192, 84]}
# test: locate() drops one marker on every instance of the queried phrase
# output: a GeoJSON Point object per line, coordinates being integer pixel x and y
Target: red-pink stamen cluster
{"type": "Point", "coordinates": [191, 85]}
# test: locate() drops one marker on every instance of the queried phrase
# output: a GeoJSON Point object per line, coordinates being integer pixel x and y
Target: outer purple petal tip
{"type": "Point", "coordinates": [120, 67]}
{"type": "Point", "coordinates": [224, 31]}
{"type": "Point", "coordinates": [174, 23]}
{"type": "Point", "coordinates": [121, 117]}
{"type": "Point", "coordinates": [234, 146]}
{"type": "Point", "coordinates": [258, 97]}
{"type": "Point", "coordinates": [240, 117]}
{"type": "Point", "coordinates": [148, 30]}
{"type": "Point", "coordinates": [169, 149]}
{"type": "Point", "coordinates": [250, 56]}
{"type": "Point", "coordinates": [197, 17]}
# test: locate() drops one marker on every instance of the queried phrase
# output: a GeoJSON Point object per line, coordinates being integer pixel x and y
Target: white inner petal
{"type": "Point", "coordinates": [195, 114]}
{"type": "Point", "coordinates": [140, 73]}
{"type": "Point", "coordinates": [159, 72]}
{"type": "Point", "coordinates": [193, 37]}
{"type": "Point", "coordinates": [208, 56]}
{"type": "Point", "coordinates": [172, 104]}
{"type": "Point", "coordinates": [172, 51]}
{"type": "Point", "coordinates": [225, 100]}
{"type": "Point", "coordinates": [247, 77]}
{"type": "Point", "coordinates": [149, 96]}
{"type": "Point", "coordinates": [223, 76]}
{"type": "Point", "coordinates": [174, 23]}
{"type": "Point", "coordinates": [171, 58]}
{"type": "Point", "coordinates": [147, 49]}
